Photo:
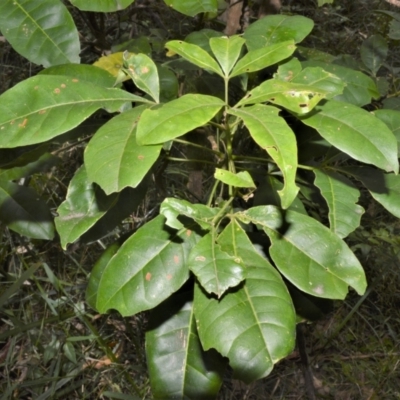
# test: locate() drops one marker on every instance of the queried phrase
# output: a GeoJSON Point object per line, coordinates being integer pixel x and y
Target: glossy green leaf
{"type": "Point", "coordinates": [241, 179]}
{"type": "Point", "coordinates": [272, 133]}
{"type": "Point", "coordinates": [258, 59]}
{"type": "Point", "coordinates": [253, 325]}
{"type": "Point", "coordinates": [84, 205]}
{"type": "Point", "coordinates": [101, 5]}
{"type": "Point", "coordinates": [195, 54]}
{"type": "Point", "coordinates": [97, 272]}
{"type": "Point", "coordinates": [296, 97]}
{"type": "Point", "coordinates": [354, 131]}
{"type": "Point", "coordinates": [83, 72]}
{"type": "Point", "coordinates": [51, 106]}
{"type": "Point", "coordinates": [359, 89]}
{"type": "Point", "coordinates": [308, 254]}
{"type": "Point", "coordinates": [23, 211]}
{"type": "Point", "coordinates": [227, 51]}
{"type": "Point", "coordinates": [193, 7]}
{"type": "Point", "coordinates": [275, 29]}
{"type": "Point", "coordinates": [384, 188]}
{"type": "Point", "coordinates": [43, 31]}
{"type": "Point", "coordinates": [341, 196]}
{"type": "Point", "coordinates": [176, 118]}
{"type": "Point", "coordinates": [392, 119]}
{"type": "Point", "coordinates": [148, 268]}
{"type": "Point", "coordinates": [172, 208]}
{"type": "Point", "coordinates": [113, 159]}
{"type": "Point", "coordinates": [178, 366]}
{"type": "Point", "coordinates": [143, 71]}
{"type": "Point", "coordinates": [215, 269]}
{"type": "Point", "coordinates": [373, 52]}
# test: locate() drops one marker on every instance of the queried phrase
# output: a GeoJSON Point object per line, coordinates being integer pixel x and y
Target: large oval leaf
{"type": "Point", "coordinates": [101, 5]}
{"type": "Point", "coordinates": [308, 254]}
{"type": "Point", "coordinates": [272, 133]}
{"type": "Point", "coordinates": [193, 7]}
{"type": "Point", "coordinates": [23, 211]}
{"type": "Point", "coordinates": [392, 119]}
{"type": "Point", "coordinates": [148, 267]}
{"type": "Point", "coordinates": [176, 118]}
{"type": "Point", "coordinates": [41, 30]}
{"type": "Point", "coordinates": [178, 366]}
{"type": "Point", "coordinates": [341, 196]}
{"type": "Point", "coordinates": [357, 133]}
{"type": "Point", "coordinates": [113, 159]}
{"type": "Point", "coordinates": [253, 325]}
{"type": "Point", "coordinates": [43, 107]}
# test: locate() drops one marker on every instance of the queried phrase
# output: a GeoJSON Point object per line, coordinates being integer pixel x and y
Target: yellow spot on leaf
{"type": "Point", "coordinates": [75, 80]}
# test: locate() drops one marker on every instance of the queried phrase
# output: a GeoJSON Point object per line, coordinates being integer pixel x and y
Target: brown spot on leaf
{"type": "Point", "coordinates": [12, 122]}
{"type": "Point", "coordinates": [200, 258]}
{"type": "Point", "coordinates": [57, 90]}
{"type": "Point", "coordinates": [23, 123]}
{"type": "Point", "coordinates": [176, 259]}
{"type": "Point", "coordinates": [63, 86]}
{"type": "Point", "coordinates": [42, 111]}
{"type": "Point", "coordinates": [75, 80]}
{"type": "Point", "coordinates": [169, 277]}
{"type": "Point", "coordinates": [148, 276]}
{"type": "Point", "coordinates": [145, 70]}
{"type": "Point", "coordinates": [188, 233]}
{"type": "Point", "coordinates": [36, 87]}
{"type": "Point", "coordinates": [140, 157]}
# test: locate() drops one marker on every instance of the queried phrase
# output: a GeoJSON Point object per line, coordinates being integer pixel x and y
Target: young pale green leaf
{"type": "Point", "coordinates": [241, 179]}
{"type": "Point", "coordinates": [193, 7]}
{"type": "Point", "coordinates": [172, 208]}
{"type": "Point", "coordinates": [261, 58]}
{"type": "Point", "coordinates": [296, 97]}
{"type": "Point", "coordinates": [83, 72]}
{"type": "Point", "coordinates": [227, 51]}
{"type": "Point", "coordinates": [113, 159]}
{"type": "Point", "coordinates": [101, 5]}
{"type": "Point", "coordinates": [392, 119]}
{"type": "Point", "coordinates": [359, 89]}
{"type": "Point", "coordinates": [147, 269]}
{"type": "Point", "coordinates": [42, 31]}
{"type": "Point", "coordinates": [84, 206]}
{"type": "Point", "coordinates": [354, 131]}
{"type": "Point", "coordinates": [43, 107]}
{"type": "Point", "coordinates": [308, 254]}
{"type": "Point", "coordinates": [179, 368]}
{"type": "Point", "coordinates": [341, 197]}
{"type": "Point", "coordinates": [97, 272]}
{"type": "Point", "coordinates": [373, 52]}
{"type": "Point", "coordinates": [195, 54]}
{"type": "Point", "coordinates": [254, 325]}
{"type": "Point", "coordinates": [23, 211]}
{"type": "Point", "coordinates": [384, 188]}
{"type": "Point", "coordinates": [143, 71]}
{"type": "Point", "coordinates": [176, 118]}
{"type": "Point", "coordinates": [272, 133]}
{"type": "Point", "coordinates": [215, 269]}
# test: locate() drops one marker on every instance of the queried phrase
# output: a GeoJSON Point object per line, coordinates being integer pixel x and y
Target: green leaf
{"type": "Point", "coordinates": [193, 7]}
{"type": "Point", "coordinates": [51, 106]}
{"type": "Point", "coordinates": [227, 51]}
{"type": "Point", "coordinates": [42, 31]}
{"type": "Point", "coordinates": [271, 132]}
{"type": "Point", "coordinates": [202, 38]}
{"type": "Point", "coordinates": [384, 188]}
{"type": "Point", "coordinates": [176, 118]}
{"type": "Point", "coordinates": [83, 72]}
{"type": "Point", "coordinates": [143, 71]}
{"type": "Point", "coordinates": [253, 325]}
{"type": "Point", "coordinates": [373, 52]}
{"type": "Point", "coordinates": [308, 254]}
{"type": "Point", "coordinates": [178, 366]}
{"type": "Point", "coordinates": [195, 54]}
{"type": "Point", "coordinates": [113, 159]}
{"type": "Point", "coordinates": [288, 70]}
{"type": "Point", "coordinates": [354, 131]}
{"type": "Point", "coordinates": [296, 97]}
{"type": "Point", "coordinates": [169, 85]}
{"type": "Point", "coordinates": [359, 89]}
{"type": "Point", "coordinates": [261, 58]}
{"type": "Point", "coordinates": [392, 119]}
{"type": "Point", "coordinates": [241, 179]}
{"type": "Point", "coordinates": [341, 197]}
{"type": "Point", "coordinates": [101, 5]}
{"type": "Point", "coordinates": [23, 211]}
{"type": "Point", "coordinates": [172, 208]}
{"type": "Point", "coordinates": [275, 29]}
{"type": "Point", "coordinates": [148, 267]}
{"type": "Point", "coordinates": [84, 206]}
{"type": "Point", "coordinates": [215, 269]}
